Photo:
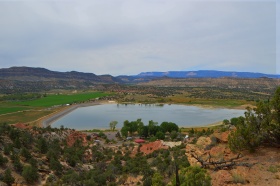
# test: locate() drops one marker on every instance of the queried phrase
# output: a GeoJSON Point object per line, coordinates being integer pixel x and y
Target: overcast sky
{"type": "Point", "coordinates": [120, 37]}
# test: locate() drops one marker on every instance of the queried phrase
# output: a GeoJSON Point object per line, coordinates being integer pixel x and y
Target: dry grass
{"type": "Point", "coordinates": [238, 178]}
{"type": "Point", "coordinates": [24, 116]}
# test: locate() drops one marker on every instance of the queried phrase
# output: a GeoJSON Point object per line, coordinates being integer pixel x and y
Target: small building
{"type": "Point", "coordinates": [186, 138]}
{"type": "Point", "coordinates": [139, 141]}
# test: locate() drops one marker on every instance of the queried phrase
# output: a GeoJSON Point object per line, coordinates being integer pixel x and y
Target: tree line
{"type": "Point", "coordinates": [150, 130]}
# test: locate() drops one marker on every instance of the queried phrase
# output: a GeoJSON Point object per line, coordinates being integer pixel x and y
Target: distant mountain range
{"type": "Point", "coordinates": [29, 79]}
{"type": "Point", "coordinates": [42, 74]}
{"type": "Point", "coordinates": [206, 74]}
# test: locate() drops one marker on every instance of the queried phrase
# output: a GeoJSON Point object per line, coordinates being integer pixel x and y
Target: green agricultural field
{"type": "Point", "coordinates": [8, 108]}
{"type": "Point", "coordinates": [52, 100]}
{"type": "Point", "coordinates": [48, 101]}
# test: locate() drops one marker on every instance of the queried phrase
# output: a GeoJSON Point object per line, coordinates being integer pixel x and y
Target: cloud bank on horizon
{"type": "Point", "coordinates": [128, 37]}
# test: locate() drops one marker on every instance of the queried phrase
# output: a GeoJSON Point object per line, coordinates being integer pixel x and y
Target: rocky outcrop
{"type": "Point", "coordinates": [152, 146]}
{"type": "Point", "coordinates": [171, 144]}
{"type": "Point", "coordinates": [74, 136]}
{"type": "Point", "coordinates": [222, 137]}
{"type": "Point", "coordinates": [60, 135]}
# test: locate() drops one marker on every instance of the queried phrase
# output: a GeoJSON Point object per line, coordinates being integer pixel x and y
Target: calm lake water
{"type": "Point", "coordinates": [101, 115]}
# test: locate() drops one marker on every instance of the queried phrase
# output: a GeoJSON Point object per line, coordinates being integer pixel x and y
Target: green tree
{"type": "Point", "coordinates": [153, 128]}
{"type": "Point", "coordinates": [56, 166]}
{"type": "Point", "coordinates": [132, 126]}
{"type": "Point", "coordinates": [226, 122]}
{"type": "Point", "coordinates": [113, 125]}
{"type": "Point", "coordinates": [260, 125]}
{"type": "Point", "coordinates": [26, 139]}
{"type": "Point", "coordinates": [157, 179]}
{"type": "Point", "coordinates": [3, 160]}
{"type": "Point", "coordinates": [14, 133]}
{"type": "Point", "coordinates": [7, 149]}
{"type": "Point", "coordinates": [160, 135]}
{"type": "Point", "coordinates": [143, 131]}
{"type": "Point", "coordinates": [30, 174]}
{"type": "Point", "coordinates": [70, 178]}
{"type": "Point", "coordinates": [8, 178]}
{"type": "Point", "coordinates": [173, 135]}
{"type": "Point", "coordinates": [169, 127]}
{"type": "Point", "coordinates": [42, 145]}
{"type": "Point", "coordinates": [247, 135]}
{"type": "Point", "coordinates": [33, 162]}
{"type": "Point", "coordinates": [124, 132]}
{"type": "Point", "coordinates": [17, 143]}
{"type": "Point", "coordinates": [194, 176]}
{"type": "Point", "coordinates": [273, 128]}
{"type": "Point", "coordinates": [147, 181]}
{"type": "Point", "coordinates": [140, 128]}
{"type": "Point", "coordinates": [234, 121]}
{"type": "Point", "coordinates": [17, 164]}
{"type": "Point", "coordinates": [25, 153]}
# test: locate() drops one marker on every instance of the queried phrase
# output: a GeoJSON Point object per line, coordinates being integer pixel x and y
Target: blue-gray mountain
{"type": "Point", "coordinates": [28, 79]}
{"type": "Point", "coordinates": [206, 74]}
{"type": "Point", "coordinates": [42, 74]}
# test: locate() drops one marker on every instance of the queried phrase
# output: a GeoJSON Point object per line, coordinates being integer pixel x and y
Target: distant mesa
{"type": "Point", "coordinates": [42, 74]}
{"type": "Point", "coordinates": [234, 74]}
{"type": "Point", "coordinates": [191, 74]}
{"type": "Point", "coordinates": [207, 74]}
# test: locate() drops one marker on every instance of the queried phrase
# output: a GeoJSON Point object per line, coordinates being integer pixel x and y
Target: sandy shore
{"type": "Point", "coordinates": [204, 125]}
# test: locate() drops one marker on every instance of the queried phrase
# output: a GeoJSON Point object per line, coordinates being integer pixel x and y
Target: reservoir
{"type": "Point", "coordinates": [99, 116]}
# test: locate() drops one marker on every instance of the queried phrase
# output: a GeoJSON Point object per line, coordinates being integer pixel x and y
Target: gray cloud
{"type": "Point", "coordinates": [128, 37]}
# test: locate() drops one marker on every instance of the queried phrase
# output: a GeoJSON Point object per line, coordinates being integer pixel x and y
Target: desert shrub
{"type": "Point", "coordinates": [157, 179]}
{"type": "Point", "coordinates": [238, 178]}
{"type": "Point", "coordinates": [8, 178]}
{"type": "Point", "coordinates": [152, 139]}
{"type": "Point", "coordinates": [17, 164]}
{"type": "Point", "coordinates": [70, 178]}
{"type": "Point", "coordinates": [147, 181]}
{"type": "Point", "coordinates": [194, 176]}
{"type": "Point", "coordinates": [51, 179]}
{"type": "Point", "coordinates": [25, 153]}
{"type": "Point", "coordinates": [3, 160]}
{"type": "Point", "coordinates": [30, 174]}
{"type": "Point", "coordinates": [102, 135]}
{"type": "Point", "coordinates": [8, 149]}
{"type": "Point", "coordinates": [272, 169]}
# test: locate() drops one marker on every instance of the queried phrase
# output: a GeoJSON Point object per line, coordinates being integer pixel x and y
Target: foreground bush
{"type": "Point", "coordinates": [194, 176]}
{"type": "Point", "coordinates": [260, 126]}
